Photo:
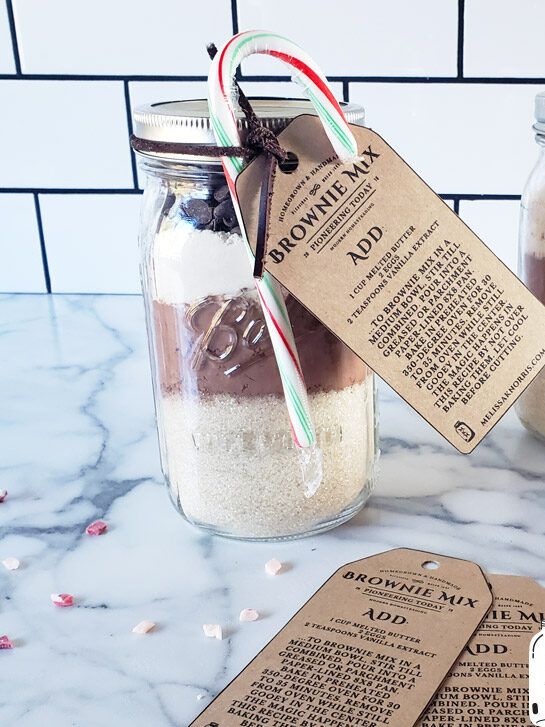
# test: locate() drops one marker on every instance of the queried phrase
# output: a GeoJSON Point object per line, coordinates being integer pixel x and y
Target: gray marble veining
{"type": "Point", "coordinates": [77, 442]}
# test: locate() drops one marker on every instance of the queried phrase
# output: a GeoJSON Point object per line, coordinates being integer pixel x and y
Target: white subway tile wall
{"type": "Point", "coordinates": [496, 222]}
{"type": "Point", "coordinates": [505, 39]}
{"type": "Point", "coordinates": [92, 242]}
{"type": "Point", "coordinates": [449, 84]}
{"type": "Point", "coordinates": [142, 92]}
{"type": "Point", "coordinates": [7, 61]}
{"type": "Point", "coordinates": [123, 37]}
{"type": "Point", "coordinates": [361, 37]}
{"type": "Point", "coordinates": [64, 134]}
{"type": "Point", "coordinates": [20, 246]}
{"type": "Point", "coordinates": [455, 135]}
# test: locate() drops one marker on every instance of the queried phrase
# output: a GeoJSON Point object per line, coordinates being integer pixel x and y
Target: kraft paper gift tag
{"type": "Point", "coordinates": [370, 648]}
{"type": "Point", "coordinates": [384, 263]}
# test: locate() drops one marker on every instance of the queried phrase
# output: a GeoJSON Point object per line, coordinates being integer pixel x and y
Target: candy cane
{"type": "Point", "coordinates": [221, 92]}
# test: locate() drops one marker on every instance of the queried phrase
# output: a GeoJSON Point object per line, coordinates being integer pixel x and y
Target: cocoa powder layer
{"type": "Point", "coordinates": [220, 346]}
{"type": "Point", "coordinates": [533, 275]}
{"type": "Point", "coordinates": [530, 405]}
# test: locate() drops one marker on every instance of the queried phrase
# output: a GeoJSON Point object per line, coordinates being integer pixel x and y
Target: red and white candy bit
{"type": "Point", "coordinates": [5, 642]}
{"type": "Point", "coordinates": [248, 614]}
{"type": "Point", "coordinates": [213, 631]}
{"type": "Point", "coordinates": [98, 527]}
{"type": "Point", "coordinates": [144, 627]}
{"type": "Point", "coordinates": [11, 563]}
{"type": "Point", "coordinates": [273, 567]}
{"type": "Point", "coordinates": [3, 495]}
{"type": "Point", "coordinates": [63, 600]}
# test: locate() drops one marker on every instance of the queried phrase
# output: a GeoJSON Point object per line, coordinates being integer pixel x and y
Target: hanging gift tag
{"type": "Point", "coordinates": [489, 684]}
{"type": "Point", "coordinates": [382, 261]}
{"type": "Point", "coordinates": [369, 649]}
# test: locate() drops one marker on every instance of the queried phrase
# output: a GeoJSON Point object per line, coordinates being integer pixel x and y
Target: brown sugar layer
{"type": "Point", "coordinates": [221, 346]}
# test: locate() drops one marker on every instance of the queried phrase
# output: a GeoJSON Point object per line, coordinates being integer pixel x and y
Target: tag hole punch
{"type": "Point", "coordinates": [430, 565]}
{"type": "Point", "coordinates": [290, 164]}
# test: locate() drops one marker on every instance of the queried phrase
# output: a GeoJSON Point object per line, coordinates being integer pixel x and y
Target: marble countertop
{"type": "Point", "coordinates": [78, 442]}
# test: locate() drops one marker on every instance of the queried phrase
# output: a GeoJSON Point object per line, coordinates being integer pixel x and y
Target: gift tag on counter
{"type": "Point", "coordinates": [384, 263]}
{"type": "Point", "coordinates": [369, 649]}
{"type": "Point", "coordinates": [489, 684]}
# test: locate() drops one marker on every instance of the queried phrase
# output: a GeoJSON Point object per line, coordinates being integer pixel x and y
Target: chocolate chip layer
{"type": "Point", "coordinates": [214, 212]}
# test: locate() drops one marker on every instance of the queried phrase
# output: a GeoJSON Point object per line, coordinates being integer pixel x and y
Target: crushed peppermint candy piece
{"type": "Point", "coordinates": [5, 642]}
{"type": "Point", "coordinates": [11, 563]}
{"type": "Point", "coordinates": [144, 627]}
{"type": "Point", "coordinates": [248, 614]}
{"type": "Point", "coordinates": [62, 599]}
{"type": "Point", "coordinates": [3, 495]}
{"type": "Point", "coordinates": [213, 631]}
{"type": "Point", "coordinates": [273, 567]}
{"type": "Point", "coordinates": [98, 527]}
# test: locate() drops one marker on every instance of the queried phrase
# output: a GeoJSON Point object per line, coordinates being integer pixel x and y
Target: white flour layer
{"type": "Point", "coordinates": [192, 264]}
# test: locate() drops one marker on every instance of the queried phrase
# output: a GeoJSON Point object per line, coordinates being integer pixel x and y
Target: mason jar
{"type": "Point", "coordinates": [226, 449]}
{"type": "Point", "coordinates": [530, 406]}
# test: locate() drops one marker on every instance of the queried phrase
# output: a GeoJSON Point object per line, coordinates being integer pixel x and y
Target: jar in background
{"type": "Point", "coordinates": [530, 406]}
{"type": "Point", "coordinates": [226, 448]}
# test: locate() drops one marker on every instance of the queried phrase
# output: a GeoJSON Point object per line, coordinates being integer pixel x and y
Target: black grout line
{"type": "Point", "coordinates": [234, 16]}
{"type": "Point", "coordinates": [461, 31]}
{"type": "Point", "coordinates": [346, 91]}
{"type": "Point", "coordinates": [476, 197]}
{"type": "Point", "coordinates": [457, 206]}
{"type": "Point", "coordinates": [234, 21]}
{"type": "Point", "coordinates": [129, 126]}
{"type": "Point", "coordinates": [96, 77]}
{"type": "Point", "coordinates": [73, 293]}
{"type": "Point", "coordinates": [45, 263]}
{"type": "Point", "coordinates": [456, 197]}
{"type": "Point", "coordinates": [13, 32]}
{"type": "Point", "coordinates": [428, 80]}
{"type": "Point", "coordinates": [71, 190]}
{"type": "Point", "coordinates": [466, 80]}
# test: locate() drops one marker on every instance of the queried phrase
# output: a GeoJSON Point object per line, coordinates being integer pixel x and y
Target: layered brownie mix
{"type": "Point", "coordinates": [530, 405]}
{"type": "Point", "coordinates": [220, 396]}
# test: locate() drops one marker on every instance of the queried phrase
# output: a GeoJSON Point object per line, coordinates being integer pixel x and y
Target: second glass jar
{"type": "Point", "coordinates": [530, 406]}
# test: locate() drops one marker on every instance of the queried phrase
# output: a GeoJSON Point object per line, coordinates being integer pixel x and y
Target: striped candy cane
{"type": "Point", "coordinates": [221, 92]}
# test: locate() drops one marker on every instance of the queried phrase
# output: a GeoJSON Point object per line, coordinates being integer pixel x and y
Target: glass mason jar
{"type": "Point", "coordinates": [530, 406]}
{"type": "Point", "coordinates": [226, 447]}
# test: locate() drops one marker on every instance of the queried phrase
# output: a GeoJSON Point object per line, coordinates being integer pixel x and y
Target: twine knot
{"type": "Point", "coordinates": [261, 139]}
